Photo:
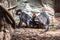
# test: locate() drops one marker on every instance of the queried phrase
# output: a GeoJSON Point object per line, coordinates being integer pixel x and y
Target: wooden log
{"type": "Point", "coordinates": [6, 18]}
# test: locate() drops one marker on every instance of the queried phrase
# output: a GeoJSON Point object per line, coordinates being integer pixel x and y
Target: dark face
{"type": "Point", "coordinates": [34, 15]}
{"type": "Point", "coordinates": [19, 13]}
{"type": "Point", "coordinates": [35, 18]}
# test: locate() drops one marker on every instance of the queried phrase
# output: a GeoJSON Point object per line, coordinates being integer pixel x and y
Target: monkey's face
{"type": "Point", "coordinates": [34, 15]}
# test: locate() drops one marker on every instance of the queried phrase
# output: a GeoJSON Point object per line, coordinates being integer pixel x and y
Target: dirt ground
{"type": "Point", "coordinates": [36, 34]}
{"type": "Point", "coordinates": [32, 34]}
